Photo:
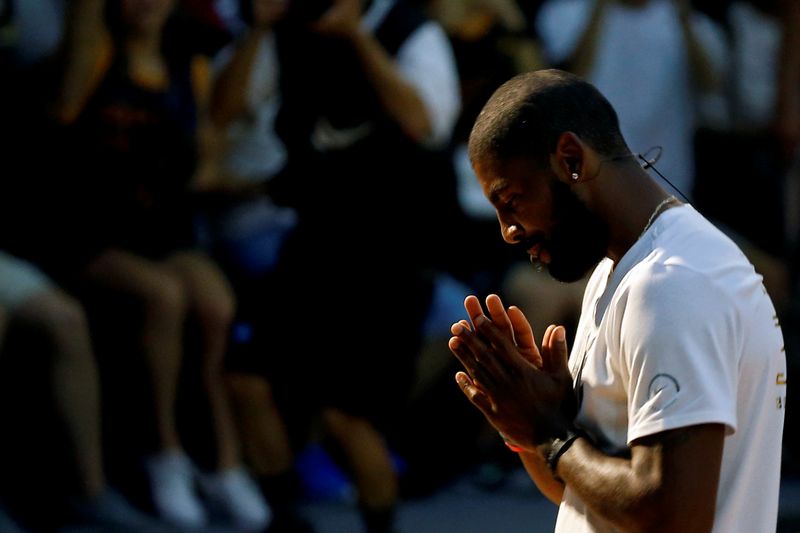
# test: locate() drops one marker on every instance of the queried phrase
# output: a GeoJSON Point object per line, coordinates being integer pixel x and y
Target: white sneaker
{"type": "Point", "coordinates": [172, 477]}
{"type": "Point", "coordinates": [234, 493]}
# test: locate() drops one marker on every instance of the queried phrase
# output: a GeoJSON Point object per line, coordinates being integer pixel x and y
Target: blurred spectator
{"type": "Point", "coordinates": [658, 61]}
{"type": "Point", "coordinates": [789, 130]}
{"type": "Point", "coordinates": [492, 41]}
{"type": "Point", "coordinates": [50, 360]}
{"type": "Point", "coordinates": [241, 225]}
{"type": "Point", "coordinates": [244, 229]}
{"type": "Point", "coordinates": [747, 158]}
{"type": "Point", "coordinates": [752, 160]}
{"type": "Point", "coordinates": [134, 138]}
{"type": "Point", "coordinates": [47, 361]}
{"type": "Point", "coordinates": [369, 96]}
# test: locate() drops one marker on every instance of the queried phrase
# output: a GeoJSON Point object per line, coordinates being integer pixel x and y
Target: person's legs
{"type": "Point", "coordinates": [164, 306]}
{"type": "Point", "coordinates": [53, 328]}
{"type": "Point", "coordinates": [265, 440]}
{"type": "Point", "coordinates": [368, 460]}
{"type": "Point", "coordinates": [60, 320]}
{"type": "Point", "coordinates": [212, 301]}
{"type": "Point", "coordinates": [267, 449]}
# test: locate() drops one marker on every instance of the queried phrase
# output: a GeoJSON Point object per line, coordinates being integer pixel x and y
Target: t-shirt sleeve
{"type": "Point", "coordinates": [427, 61]}
{"type": "Point", "coordinates": [678, 339]}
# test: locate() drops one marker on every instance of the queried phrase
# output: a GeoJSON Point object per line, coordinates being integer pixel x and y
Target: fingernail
{"type": "Point", "coordinates": [457, 329]}
{"type": "Point", "coordinates": [560, 335]}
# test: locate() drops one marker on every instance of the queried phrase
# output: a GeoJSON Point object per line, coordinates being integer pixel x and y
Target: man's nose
{"type": "Point", "coordinates": [512, 233]}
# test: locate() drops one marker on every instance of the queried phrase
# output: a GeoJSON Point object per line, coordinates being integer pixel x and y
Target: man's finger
{"type": "Point", "coordinates": [475, 355]}
{"type": "Point", "coordinates": [499, 316]}
{"type": "Point", "coordinates": [456, 328]}
{"type": "Point", "coordinates": [473, 307]}
{"type": "Point", "coordinates": [465, 347]}
{"type": "Point", "coordinates": [558, 349]}
{"type": "Point", "coordinates": [503, 347]}
{"type": "Point", "coordinates": [554, 349]}
{"type": "Point", "coordinates": [474, 393]}
{"type": "Point", "coordinates": [523, 334]}
{"type": "Point", "coordinates": [545, 352]}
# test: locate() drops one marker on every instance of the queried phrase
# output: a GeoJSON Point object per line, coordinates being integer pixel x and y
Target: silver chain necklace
{"type": "Point", "coordinates": [666, 201]}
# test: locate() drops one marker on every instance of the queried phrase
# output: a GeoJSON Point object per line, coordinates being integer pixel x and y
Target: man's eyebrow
{"type": "Point", "coordinates": [496, 189]}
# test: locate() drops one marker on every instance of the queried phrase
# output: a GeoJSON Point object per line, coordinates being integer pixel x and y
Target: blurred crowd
{"type": "Point", "coordinates": [236, 231]}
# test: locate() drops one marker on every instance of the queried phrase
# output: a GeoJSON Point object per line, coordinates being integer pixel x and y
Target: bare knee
{"type": "Point", "coordinates": [249, 389]}
{"type": "Point", "coordinates": [345, 427]}
{"type": "Point", "coordinates": [208, 290]}
{"type": "Point", "coordinates": [60, 319]}
{"type": "Point", "coordinates": [215, 307]}
{"type": "Point", "coordinates": [164, 299]}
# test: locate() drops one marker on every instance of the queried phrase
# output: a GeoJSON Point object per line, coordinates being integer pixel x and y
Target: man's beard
{"type": "Point", "coordinates": [579, 239]}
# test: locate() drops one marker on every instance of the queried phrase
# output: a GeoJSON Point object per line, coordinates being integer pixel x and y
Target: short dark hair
{"type": "Point", "coordinates": [526, 115]}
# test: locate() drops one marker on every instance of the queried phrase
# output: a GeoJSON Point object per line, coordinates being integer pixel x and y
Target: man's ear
{"type": "Point", "coordinates": [568, 159]}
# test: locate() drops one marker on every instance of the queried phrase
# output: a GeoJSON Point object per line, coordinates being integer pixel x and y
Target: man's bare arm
{"type": "Point", "coordinates": [669, 483]}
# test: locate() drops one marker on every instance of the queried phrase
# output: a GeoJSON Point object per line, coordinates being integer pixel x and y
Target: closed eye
{"type": "Point", "coordinates": [507, 206]}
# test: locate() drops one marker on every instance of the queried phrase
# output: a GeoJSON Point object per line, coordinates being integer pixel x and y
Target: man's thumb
{"type": "Point", "coordinates": [559, 354]}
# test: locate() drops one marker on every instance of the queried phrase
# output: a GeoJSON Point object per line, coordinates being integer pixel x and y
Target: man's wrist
{"type": "Point", "coordinates": [559, 447]}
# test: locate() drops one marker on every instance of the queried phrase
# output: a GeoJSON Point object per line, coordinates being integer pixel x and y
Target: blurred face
{"type": "Point", "coordinates": [144, 16]}
{"type": "Point", "coordinates": [542, 216]}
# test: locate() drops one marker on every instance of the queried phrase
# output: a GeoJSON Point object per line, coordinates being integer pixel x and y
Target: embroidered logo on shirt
{"type": "Point", "coordinates": [662, 392]}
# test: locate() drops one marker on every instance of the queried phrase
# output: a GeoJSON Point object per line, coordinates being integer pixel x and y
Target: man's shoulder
{"type": "Point", "coordinates": [694, 265]}
{"type": "Point", "coordinates": [689, 239]}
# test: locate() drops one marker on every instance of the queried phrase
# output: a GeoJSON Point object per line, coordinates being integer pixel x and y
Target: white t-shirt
{"type": "Point", "coordinates": [682, 333]}
{"type": "Point", "coordinates": [253, 149]}
{"type": "Point", "coordinates": [641, 65]}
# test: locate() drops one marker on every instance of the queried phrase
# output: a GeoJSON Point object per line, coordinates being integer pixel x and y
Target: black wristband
{"type": "Point", "coordinates": [561, 445]}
